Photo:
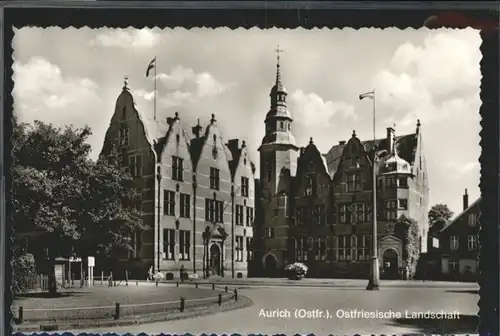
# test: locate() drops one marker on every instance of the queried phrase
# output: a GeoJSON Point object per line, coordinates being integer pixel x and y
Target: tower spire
{"type": "Point", "coordinates": [278, 72]}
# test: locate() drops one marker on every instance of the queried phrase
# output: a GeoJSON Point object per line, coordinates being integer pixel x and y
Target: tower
{"type": "Point", "coordinates": [278, 163]}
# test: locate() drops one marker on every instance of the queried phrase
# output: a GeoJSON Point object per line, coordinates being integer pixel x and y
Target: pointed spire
{"type": "Point", "coordinates": [213, 119]}
{"type": "Point", "coordinates": [311, 142]}
{"type": "Point", "coordinates": [353, 133]}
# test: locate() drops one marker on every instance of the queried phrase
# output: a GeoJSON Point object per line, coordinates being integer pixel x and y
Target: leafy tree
{"type": "Point", "coordinates": [407, 229]}
{"type": "Point", "coordinates": [438, 216]}
{"type": "Point", "coordinates": [63, 201]}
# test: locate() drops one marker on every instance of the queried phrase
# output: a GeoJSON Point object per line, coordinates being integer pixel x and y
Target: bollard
{"type": "Point", "coordinates": [213, 286]}
{"type": "Point", "coordinates": [156, 283]}
{"type": "Point", "coordinates": [196, 285]}
{"type": "Point", "coordinates": [110, 282]}
{"type": "Point", "coordinates": [117, 311]}
{"type": "Point", "coordinates": [225, 288]}
{"type": "Point", "coordinates": [137, 283]}
{"type": "Point", "coordinates": [126, 278]}
{"type": "Point", "coordinates": [235, 295]}
{"type": "Point", "coordinates": [220, 299]}
{"type": "Point", "coordinates": [21, 314]}
{"type": "Point", "coordinates": [102, 277]}
{"type": "Point", "coordinates": [182, 304]}
{"type": "Point", "coordinates": [177, 283]}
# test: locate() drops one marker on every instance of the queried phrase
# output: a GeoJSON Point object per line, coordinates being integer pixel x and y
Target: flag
{"type": "Point", "coordinates": [370, 95]}
{"type": "Point", "coordinates": [151, 65]}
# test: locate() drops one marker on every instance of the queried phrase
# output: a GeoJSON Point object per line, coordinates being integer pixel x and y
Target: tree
{"type": "Point", "coordinates": [65, 202]}
{"type": "Point", "coordinates": [438, 216]}
{"type": "Point", "coordinates": [407, 229]}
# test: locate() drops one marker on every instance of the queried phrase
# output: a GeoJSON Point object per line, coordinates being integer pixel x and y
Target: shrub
{"type": "Point", "coordinates": [23, 269]}
{"type": "Point", "coordinates": [296, 270]}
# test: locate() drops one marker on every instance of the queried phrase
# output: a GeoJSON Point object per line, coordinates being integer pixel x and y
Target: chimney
{"type": "Point", "coordinates": [342, 142]}
{"type": "Point", "coordinates": [466, 200]}
{"type": "Point", "coordinates": [390, 139]}
{"type": "Point", "coordinates": [197, 129]}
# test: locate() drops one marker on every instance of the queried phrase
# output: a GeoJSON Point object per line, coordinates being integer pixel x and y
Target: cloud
{"type": "Point", "coordinates": [120, 38]}
{"type": "Point", "coordinates": [460, 168]}
{"type": "Point", "coordinates": [315, 111]}
{"type": "Point", "coordinates": [424, 80]}
{"type": "Point", "coordinates": [184, 85]}
{"type": "Point", "coordinates": [41, 87]}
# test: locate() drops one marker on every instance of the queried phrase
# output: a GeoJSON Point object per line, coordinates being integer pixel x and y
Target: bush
{"type": "Point", "coordinates": [23, 269]}
{"type": "Point", "coordinates": [296, 271]}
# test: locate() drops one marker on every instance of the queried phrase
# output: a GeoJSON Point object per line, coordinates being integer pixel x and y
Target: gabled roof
{"type": "Point", "coordinates": [463, 213]}
{"type": "Point", "coordinates": [405, 146]}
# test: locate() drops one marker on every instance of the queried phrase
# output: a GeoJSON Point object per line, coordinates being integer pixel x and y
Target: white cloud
{"type": "Point", "coordinates": [41, 87]}
{"type": "Point", "coordinates": [182, 86]}
{"type": "Point", "coordinates": [120, 38]}
{"type": "Point", "coordinates": [421, 78]}
{"type": "Point", "coordinates": [460, 168]}
{"type": "Point", "coordinates": [315, 111]}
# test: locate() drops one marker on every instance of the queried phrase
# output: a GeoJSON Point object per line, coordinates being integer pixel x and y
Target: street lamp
{"type": "Point", "coordinates": [373, 283]}
{"type": "Point", "coordinates": [158, 257]}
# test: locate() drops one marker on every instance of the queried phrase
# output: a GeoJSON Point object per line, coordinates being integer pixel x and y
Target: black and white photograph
{"type": "Point", "coordinates": [278, 181]}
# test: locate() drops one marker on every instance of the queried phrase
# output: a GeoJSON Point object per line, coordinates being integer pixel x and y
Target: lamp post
{"type": "Point", "coordinates": [374, 281]}
{"type": "Point", "coordinates": [158, 253]}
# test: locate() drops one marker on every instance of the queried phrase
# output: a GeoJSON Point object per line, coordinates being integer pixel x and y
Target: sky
{"type": "Point", "coordinates": [74, 76]}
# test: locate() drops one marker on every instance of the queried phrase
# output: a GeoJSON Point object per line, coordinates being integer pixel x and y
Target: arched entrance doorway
{"type": "Point", "coordinates": [215, 261]}
{"type": "Point", "coordinates": [270, 265]}
{"type": "Point", "coordinates": [390, 264]}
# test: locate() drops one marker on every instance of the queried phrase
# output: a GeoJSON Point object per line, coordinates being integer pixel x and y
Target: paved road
{"type": "Point", "coordinates": [392, 302]}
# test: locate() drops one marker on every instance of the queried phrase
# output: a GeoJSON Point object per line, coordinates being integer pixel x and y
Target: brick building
{"type": "Point", "coordinates": [316, 208]}
{"type": "Point", "coordinates": [458, 242]}
{"type": "Point", "coordinates": [197, 194]}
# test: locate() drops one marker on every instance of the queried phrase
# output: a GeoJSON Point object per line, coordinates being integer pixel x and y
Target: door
{"type": "Point", "coordinates": [390, 264]}
{"type": "Point", "coordinates": [215, 259]}
{"type": "Point", "coordinates": [270, 265]}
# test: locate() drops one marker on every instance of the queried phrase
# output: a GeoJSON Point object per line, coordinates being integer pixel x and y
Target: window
{"type": "Point", "coordinates": [368, 213]}
{"type": "Point", "coordinates": [185, 206]}
{"type": "Point", "coordinates": [214, 178]}
{"type": "Point", "coordinates": [135, 165]}
{"type": "Point", "coordinates": [244, 186]}
{"type": "Point", "coordinates": [390, 204]}
{"type": "Point", "coordinates": [282, 126]}
{"type": "Point", "coordinates": [453, 266]}
{"type": "Point", "coordinates": [168, 203]}
{"type": "Point", "coordinates": [354, 245]}
{"type": "Point", "coordinates": [238, 248]}
{"type": "Point", "coordinates": [453, 243]}
{"type": "Point", "coordinates": [364, 247]}
{"type": "Point", "coordinates": [343, 213]}
{"type": "Point", "coordinates": [342, 248]}
{"type": "Point", "coordinates": [124, 113]}
{"type": "Point", "coordinates": [269, 169]}
{"type": "Point", "coordinates": [310, 189]}
{"type": "Point", "coordinates": [239, 214]}
{"type": "Point", "coordinates": [318, 215]}
{"type": "Point", "coordinates": [472, 242]}
{"type": "Point", "coordinates": [282, 200]}
{"type": "Point", "coordinates": [184, 244]}
{"type": "Point", "coordinates": [322, 248]}
{"type": "Point", "coordinates": [390, 181]}
{"type": "Point", "coordinates": [358, 213]}
{"type": "Point", "coordinates": [403, 204]}
{"type": "Point", "coordinates": [391, 215]}
{"type": "Point", "coordinates": [249, 248]}
{"type": "Point", "coordinates": [354, 182]}
{"type": "Point", "coordinates": [249, 216]}
{"type": "Point", "coordinates": [332, 250]}
{"type": "Point", "coordinates": [403, 182]}
{"type": "Point", "coordinates": [214, 211]}
{"type": "Point", "coordinates": [472, 219]}
{"type": "Point", "coordinates": [299, 216]}
{"type": "Point", "coordinates": [316, 248]}
{"type": "Point", "coordinates": [177, 168]}
{"type": "Point", "coordinates": [168, 244]}
{"type": "Point", "coordinates": [123, 136]}
{"type": "Point", "coordinates": [269, 232]}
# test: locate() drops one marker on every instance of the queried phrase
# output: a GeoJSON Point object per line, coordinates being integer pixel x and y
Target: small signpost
{"type": "Point", "coordinates": [90, 264]}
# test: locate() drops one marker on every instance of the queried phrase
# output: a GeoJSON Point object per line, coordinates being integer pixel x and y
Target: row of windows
{"type": "Point", "coordinates": [472, 243]}
{"type": "Point", "coordinates": [170, 242]}
{"type": "Point", "coordinates": [135, 169]}
{"type": "Point", "coordinates": [336, 248]}
{"type": "Point", "coordinates": [240, 210]}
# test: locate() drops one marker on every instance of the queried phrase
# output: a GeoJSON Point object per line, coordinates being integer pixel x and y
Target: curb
{"type": "Point", "coordinates": [204, 310]}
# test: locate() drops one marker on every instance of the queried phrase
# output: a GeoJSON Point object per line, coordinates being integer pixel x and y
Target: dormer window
{"type": "Point", "coordinates": [310, 189]}
{"type": "Point", "coordinates": [123, 136]}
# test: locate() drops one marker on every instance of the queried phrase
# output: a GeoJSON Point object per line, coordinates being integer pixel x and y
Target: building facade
{"type": "Point", "coordinates": [316, 208]}
{"type": "Point", "coordinates": [459, 246]}
{"type": "Point", "coordinates": [198, 194]}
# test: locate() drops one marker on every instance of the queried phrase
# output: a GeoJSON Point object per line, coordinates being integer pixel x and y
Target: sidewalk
{"type": "Point", "coordinates": [340, 283]}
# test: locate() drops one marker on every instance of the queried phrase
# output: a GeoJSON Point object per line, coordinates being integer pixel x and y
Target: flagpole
{"type": "Point", "coordinates": [154, 101]}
